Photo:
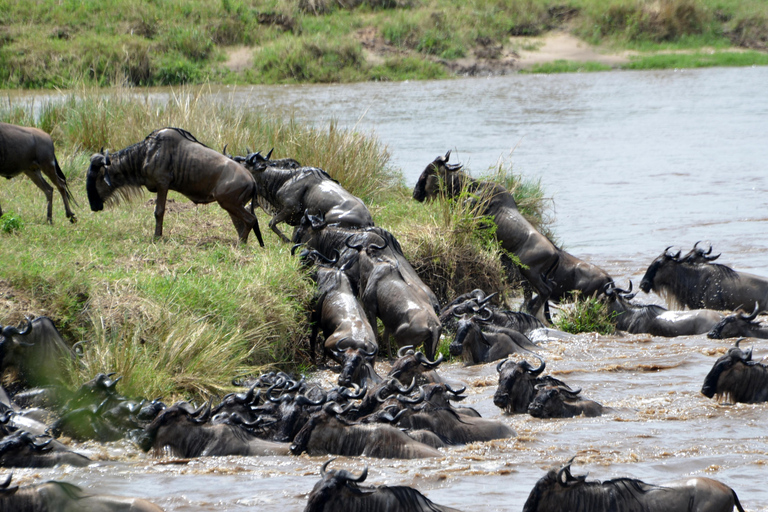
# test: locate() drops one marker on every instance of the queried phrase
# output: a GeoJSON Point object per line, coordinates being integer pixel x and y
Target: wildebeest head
{"type": "Point", "coordinates": [335, 485]}
{"type": "Point", "coordinates": [468, 332]}
{"type": "Point", "coordinates": [735, 325]}
{"type": "Point", "coordinates": [411, 365]}
{"type": "Point", "coordinates": [550, 401]}
{"type": "Point", "coordinates": [698, 255]}
{"type": "Point", "coordinates": [663, 263]}
{"type": "Point", "coordinates": [177, 421]}
{"type": "Point", "coordinates": [438, 172]}
{"type": "Point", "coordinates": [357, 366]}
{"type": "Point", "coordinates": [725, 367]}
{"type": "Point", "coordinates": [517, 385]}
{"type": "Point", "coordinates": [545, 494]}
{"type": "Point", "coordinates": [98, 183]}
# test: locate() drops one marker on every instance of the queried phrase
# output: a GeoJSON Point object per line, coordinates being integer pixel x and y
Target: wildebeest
{"type": "Point", "coordinates": [327, 432]}
{"type": "Point", "coordinates": [24, 450]}
{"type": "Point", "coordinates": [338, 491]}
{"type": "Point", "coordinates": [65, 497]}
{"type": "Point", "coordinates": [30, 150]}
{"type": "Point", "coordinates": [703, 285]}
{"type": "Point", "coordinates": [438, 416]}
{"type": "Point", "coordinates": [173, 159]}
{"type": "Point", "coordinates": [560, 401]}
{"type": "Point", "coordinates": [560, 491]}
{"type": "Point", "coordinates": [337, 311]}
{"type": "Point", "coordinates": [291, 192]}
{"type": "Point", "coordinates": [187, 433]}
{"type": "Point", "coordinates": [405, 310]}
{"type": "Point", "coordinates": [739, 324]}
{"type": "Point", "coordinates": [37, 350]}
{"type": "Point", "coordinates": [737, 378]}
{"type": "Point", "coordinates": [413, 366]}
{"type": "Point", "coordinates": [552, 272]}
{"type": "Point", "coordinates": [517, 385]}
{"type": "Point", "coordinates": [656, 320]}
{"type": "Point", "coordinates": [478, 343]}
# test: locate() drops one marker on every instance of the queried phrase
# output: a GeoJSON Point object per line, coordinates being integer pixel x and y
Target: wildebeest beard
{"type": "Point", "coordinates": [124, 175]}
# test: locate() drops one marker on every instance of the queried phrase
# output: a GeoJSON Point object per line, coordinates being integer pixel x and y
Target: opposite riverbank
{"type": "Point", "coordinates": [49, 44]}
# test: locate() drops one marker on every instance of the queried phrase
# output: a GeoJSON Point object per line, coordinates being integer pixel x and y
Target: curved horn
{"type": "Point", "coordinates": [293, 249]}
{"type": "Point", "coordinates": [325, 466]}
{"type": "Point", "coordinates": [203, 414]}
{"type": "Point", "coordinates": [403, 350]}
{"type": "Point", "coordinates": [358, 247]}
{"type": "Point", "coordinates": [501, 363]}
{"type": "Point", "coordinates": [484, 318]}
{"type": "Point", "coordinates": [270, 153]}
{"type": "Point", "coordinates": [416, 400]}
{"type": "Point", "coordinates": [537, 371]}
{"type": "Point", "coordinates": [426, 362]}
{"type": "Point", "coordinates": [455, 392]}
{"type": "Point", "coordinates": [9, 330]}
{"type": "Point", "coordinates": [483, 301]}
{"type": "Point", "coordinates": [753, 315]}
{"type": "Point", "coordinates": [372, 353]}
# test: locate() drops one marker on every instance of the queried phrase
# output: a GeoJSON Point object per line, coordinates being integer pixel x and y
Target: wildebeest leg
{"type": "Point", "coordinates": [162, 195]}
{"type": "Point", "coordinates": [244, 221]}
{"type": "Point", "coordinates": [385, 342]}
{"type": "Point", "coordinates": [281, 216]}
{"type": "Point", "coordinates": [37, 178]}
{"type": "Point", "coordinates": [53, 171]}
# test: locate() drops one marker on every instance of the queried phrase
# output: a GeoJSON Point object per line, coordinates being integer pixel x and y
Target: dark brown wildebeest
{"type": "Point", "coordinates": [30, 150]}
{"type": "Point", "coordinates": [437, 415]}
{"type": "Point", "coordinates": [413, 366]}
{"type": "Point", "coordinates": [24, 450]}
{"type": "Point", "coordinates": [558, 490]}
{"type": "Point", "coordinates": [172, 159]}
{"type": "Point", "coordinates": [327, 432]}
{"type": "Point", "coordinates": [65, 497]}
{"type": "Point", "coordinates": [290, 192]}
{"type": "Point", "coordinates": [517, 385]}
{"type": "Point", "coordinates": [37, 351]}
{"type": "Point", "coordinates": [737, 378]}
{"type": "Point", "coordinates": [338, 491]}
{"type": "Point", "coordinates": [701, 285]}
{"type": "Point", "coordinates": [405, 310]}
{"type": "Point", "coordinates": [739, 324]}
{"type": "Point", "coordinates": [188, 433]}
{"type": "Point", "coordinates": [481, 343]}
{"type": "Point", "coordinates": [656, 320]}
{"type": "Point", "coordinates": [552, 272]}
{"type": "Point", "coordinates": [560, 401]}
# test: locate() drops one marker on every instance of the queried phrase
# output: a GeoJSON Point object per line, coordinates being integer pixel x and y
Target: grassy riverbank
{"type": "Point", "coordinates": [49, 43]}
{"type": "Point", "coordinates": [184, 315]}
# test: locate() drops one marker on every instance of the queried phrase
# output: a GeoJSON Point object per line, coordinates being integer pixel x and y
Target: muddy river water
{"type": "Point", "coordinates": [634, 162]}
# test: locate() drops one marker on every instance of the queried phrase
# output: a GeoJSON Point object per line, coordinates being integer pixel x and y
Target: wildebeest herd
{"type": "Point", "coordinates": [362, 276]}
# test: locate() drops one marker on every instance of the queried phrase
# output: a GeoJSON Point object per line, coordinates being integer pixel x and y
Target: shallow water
{"type": "Point", "coordinates": [635, 162]}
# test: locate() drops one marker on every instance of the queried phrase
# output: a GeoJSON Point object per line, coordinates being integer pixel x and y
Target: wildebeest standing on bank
{"type": "Point", "coordinates": [691, 283]}
{"type": "Point", "coordinates": [559, 491]}
{"type": "Point", "coordinates": [338, 491]}
{"type": "Point", "coordinates": [30, 150]}
{"type": "Point", "coordinates": [172, 159]}
{"type": "Point", "coordinates": [552, 272]}
{"type": "Point", "coordinates": [737, 377]}
{"type": "Point", "coordinates": [290, 192]}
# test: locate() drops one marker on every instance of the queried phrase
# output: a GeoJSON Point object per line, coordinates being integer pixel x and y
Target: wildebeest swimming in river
{"type": "Point", "coordinates": [30, 150]}
{"type": "Point", "coordinates": [560, 491]}
{"type": "Point", "coordinates": [697, 284]}
{"type": "Point", "coordinates": [736, 377]}
{"type": "Point", "coordinates": [65, 497]}
{"type": "Point", "coordinates": [552, 272]}
{"type": "Point", "coordinates": [338, 491]}
{"type": "Point", "coordinates": [172, 159]}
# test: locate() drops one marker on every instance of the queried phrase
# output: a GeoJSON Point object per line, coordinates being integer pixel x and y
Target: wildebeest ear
{"type": "Point", "coordinates": [447, 156]}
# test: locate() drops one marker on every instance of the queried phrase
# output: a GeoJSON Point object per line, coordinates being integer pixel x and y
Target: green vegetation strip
{"type": "Point", "coordinates": [53, 43]}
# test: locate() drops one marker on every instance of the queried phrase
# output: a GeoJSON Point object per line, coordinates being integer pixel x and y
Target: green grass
{"type": "Point", "coordinates": [586, 314]}
{"type": "Point", "coordinates": [567, 66]}
{"type": "Point", "coordinates": [50, 43]}
{"type": "Point", "coordinates": [698, 60]}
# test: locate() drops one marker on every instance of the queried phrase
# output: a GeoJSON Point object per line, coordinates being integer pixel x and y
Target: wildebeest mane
{"type": "Point", "coordinates": [181, 131]}
{"type": "Point", "coordinates": [623, 494]}
{"type": "Point", "coordinates": [411, 499]}
{"type": "Point", "coordinates": [125, 172]}
{"type": "Point", "coordinates": [689, 287]}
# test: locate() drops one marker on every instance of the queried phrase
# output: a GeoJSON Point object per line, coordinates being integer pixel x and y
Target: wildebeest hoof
{"type": "Point", "coordinates": [73, 220]}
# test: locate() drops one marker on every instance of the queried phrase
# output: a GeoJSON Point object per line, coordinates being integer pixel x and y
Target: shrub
{"type": "Point", "coordinates": [586, 314]}
{"type": "Point", "coordinates": [10, 223]}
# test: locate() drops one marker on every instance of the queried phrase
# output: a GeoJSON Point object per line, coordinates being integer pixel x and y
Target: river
{"type": "Point", "coordinates": [634, 162]}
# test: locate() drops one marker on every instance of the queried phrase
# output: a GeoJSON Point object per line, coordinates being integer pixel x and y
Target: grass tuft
{"type": "Point", "coordinates": [586, 314]}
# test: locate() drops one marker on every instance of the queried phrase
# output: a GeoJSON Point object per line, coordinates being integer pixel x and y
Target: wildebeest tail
{"type": "Point", "coordinates": [256, 229]}
{"type": "Point", "coordinates": [63, 179]}
{"type": "Point", "coordinates": [736, 501]}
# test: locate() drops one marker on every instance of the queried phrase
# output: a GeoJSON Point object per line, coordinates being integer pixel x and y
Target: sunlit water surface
{"type": "Point", "coordinates": [634, 162]}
